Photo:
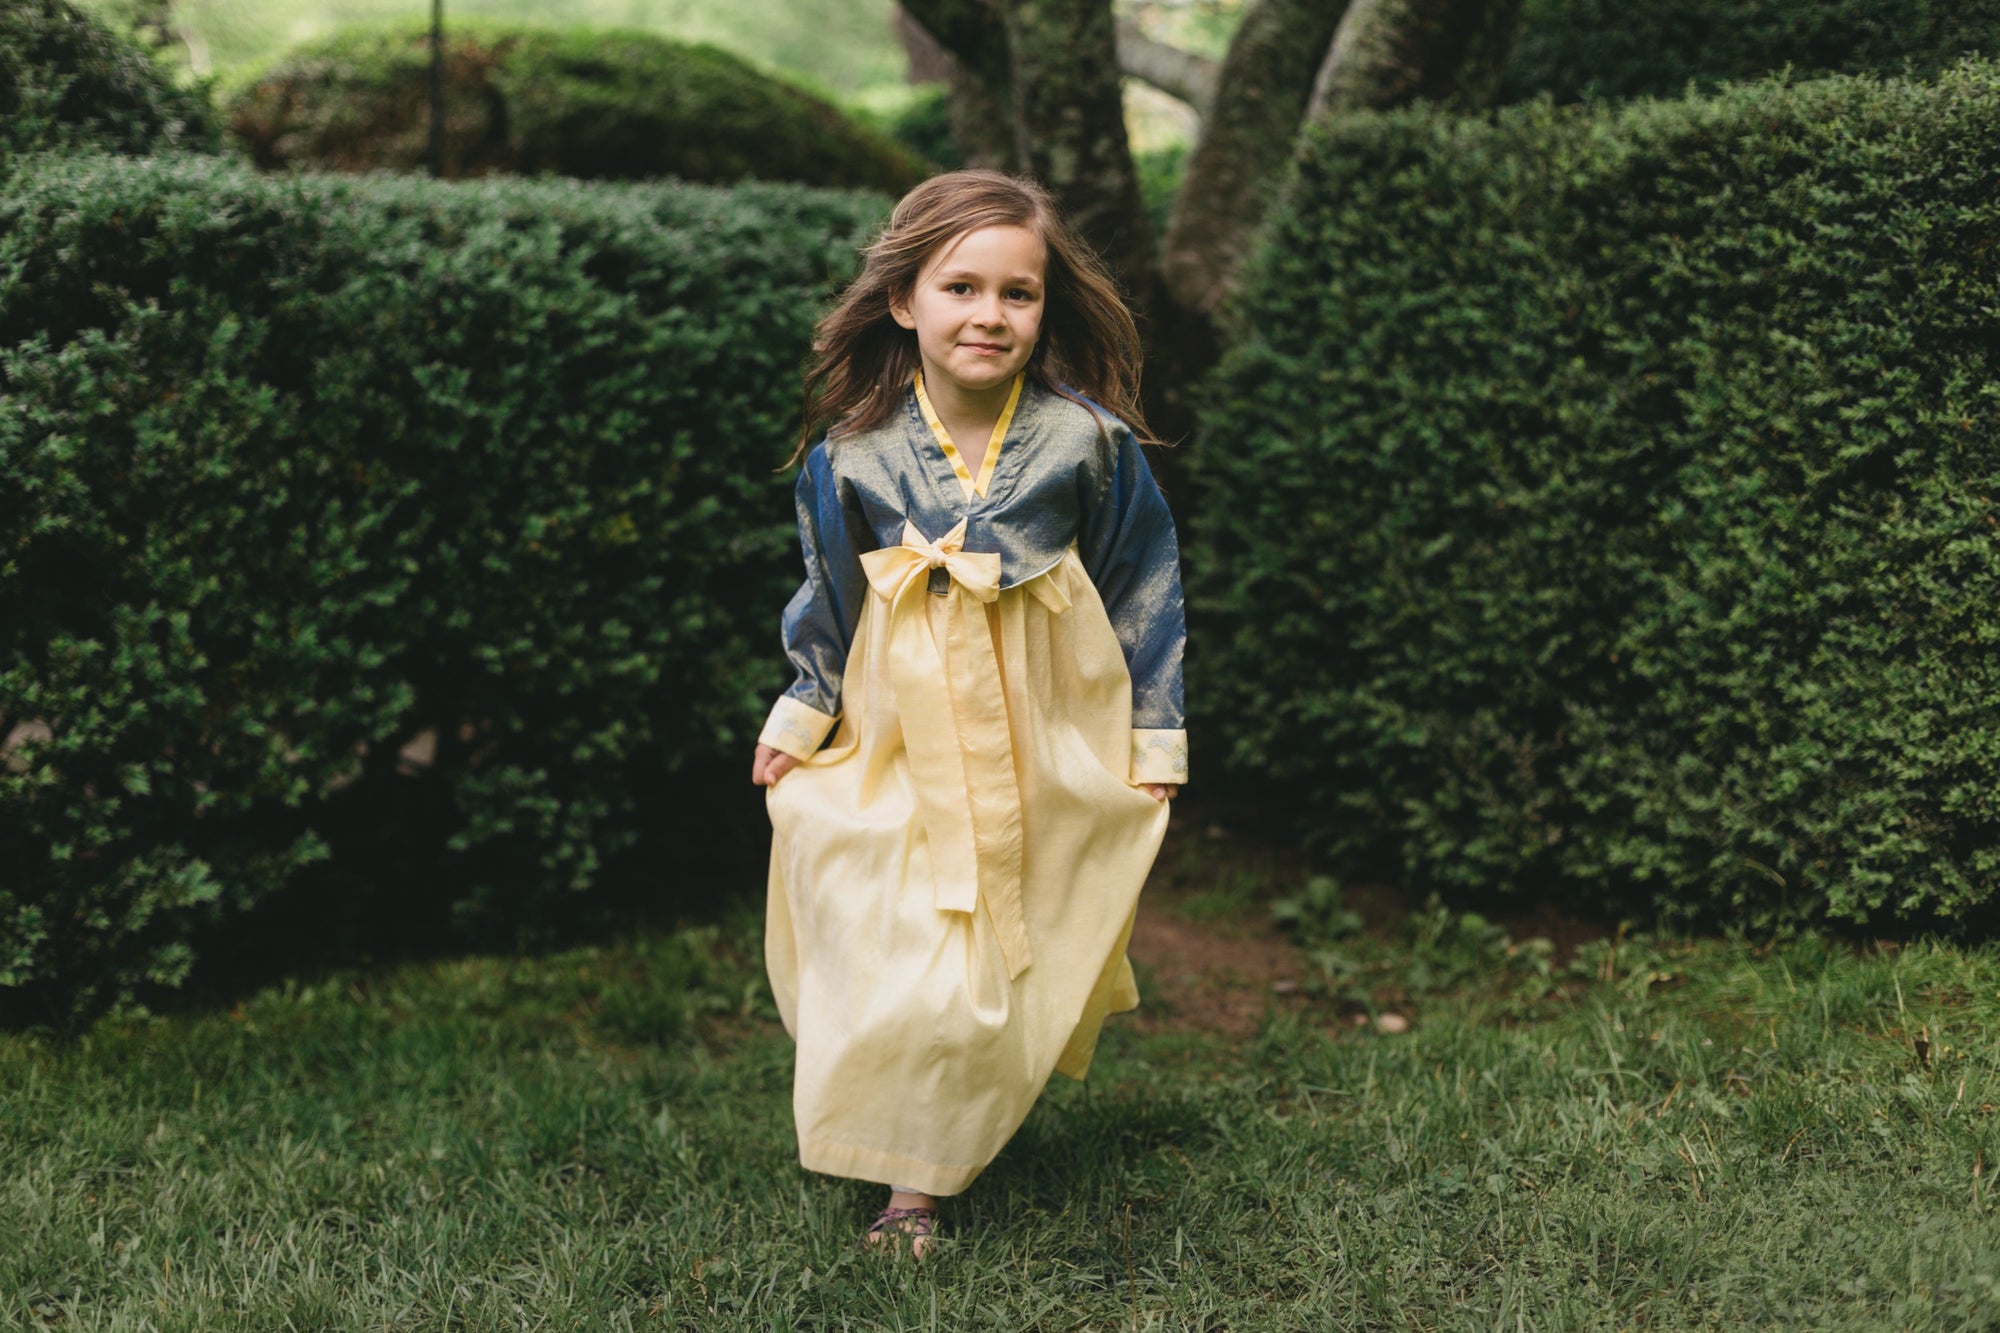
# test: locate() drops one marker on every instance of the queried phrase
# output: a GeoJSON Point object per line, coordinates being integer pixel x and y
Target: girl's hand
{"type": "Point", "coordinates": [1161, 791]}
{"type": "Point", "coordinates": [770, 765]}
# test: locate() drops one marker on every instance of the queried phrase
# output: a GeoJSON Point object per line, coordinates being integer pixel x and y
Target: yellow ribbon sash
{"type": "Point", "coordinates": [955, 726]}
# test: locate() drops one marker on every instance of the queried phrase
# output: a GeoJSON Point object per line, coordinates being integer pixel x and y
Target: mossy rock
{"type": "Point", "coordinates": [593, 105]}
{"type": "Point", "coordinates": [69, 83]}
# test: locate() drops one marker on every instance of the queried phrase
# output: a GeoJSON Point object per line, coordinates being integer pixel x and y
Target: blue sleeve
{"type": "Point", "coordinates": [1127, 543]}
{"type": "Point", "coordinates": [819, 621]}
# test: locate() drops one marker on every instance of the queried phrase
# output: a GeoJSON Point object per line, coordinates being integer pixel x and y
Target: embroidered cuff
{"type": "Point", "coordinates": [794, 728]}
{"type": "Point", "coordinates": [1159, 756]}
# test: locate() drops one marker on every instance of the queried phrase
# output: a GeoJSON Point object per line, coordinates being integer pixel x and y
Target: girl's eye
{"type": "Point", "coordinates": [958, 288]}
{"type": "Point", "coordinates": [1019, 295]}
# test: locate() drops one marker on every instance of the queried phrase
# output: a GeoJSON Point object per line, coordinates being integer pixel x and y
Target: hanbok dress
{"type": "Point", "coordinates": [953, 878]}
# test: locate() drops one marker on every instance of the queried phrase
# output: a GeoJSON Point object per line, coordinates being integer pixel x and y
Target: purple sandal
{"type": "Point", "coordinates": [919, 1224]}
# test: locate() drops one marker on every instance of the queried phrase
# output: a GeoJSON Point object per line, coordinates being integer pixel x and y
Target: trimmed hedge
{"type": "Point", "coordinates": [593, 105]}
{"type": "Point", "coordinates": [293, 470]}
{"type": "Point", "coordinates": [1604, 503]}
{"type": "Point", "coordinates": [68, 84]}
{"type": "Point", "coordinates": [1576, 49]}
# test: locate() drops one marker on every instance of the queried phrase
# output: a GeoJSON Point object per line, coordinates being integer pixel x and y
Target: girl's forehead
{"type": "Point", "coordinates": [1016, 250]}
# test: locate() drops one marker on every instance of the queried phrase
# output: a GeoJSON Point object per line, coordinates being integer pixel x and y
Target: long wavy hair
{"type": "Point", "coordinates": [863, 361]}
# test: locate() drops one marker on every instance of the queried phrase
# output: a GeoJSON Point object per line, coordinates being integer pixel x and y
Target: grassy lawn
{"type": "Point", "coordinates": [1662, 1135]}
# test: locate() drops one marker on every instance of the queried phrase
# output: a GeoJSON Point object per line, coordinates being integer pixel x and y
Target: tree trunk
{"type": "Point", "coordinates": [1069, 120]}
{"type": "Point", "coordinates": [1261, 96]}
{"type": "Point", "coordinates": [982, 121]}
{"type": "Point", "coordinates": [972, 43]}
{"type": "Point", "coordinates": [1389, 53]}
{"type": "Point", "coordinates": [1047, 71]}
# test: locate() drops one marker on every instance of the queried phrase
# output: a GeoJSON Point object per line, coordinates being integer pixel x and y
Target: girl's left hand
{"type": "Point", "coordinates": [1161, 791]}
{"type": "Point", "coordinates": [770, 765]}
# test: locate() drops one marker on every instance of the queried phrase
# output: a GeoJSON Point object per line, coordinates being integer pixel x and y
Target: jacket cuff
{"type": "Point", "coordinates": [794, 728]}
{"type": "Point", "coordinates": [1159, 756]}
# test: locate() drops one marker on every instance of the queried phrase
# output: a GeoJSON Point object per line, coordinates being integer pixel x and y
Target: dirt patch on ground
{"type": "Point", "coordinates": [1211, 959]}
{"type": "Point", "coordinates": [1194, 977]}
{"type": "Point", "coordinates": [1208, 956]}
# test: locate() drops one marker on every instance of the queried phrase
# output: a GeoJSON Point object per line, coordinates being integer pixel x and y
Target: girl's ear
{"type": "Point", "coordinates": [899, 310]}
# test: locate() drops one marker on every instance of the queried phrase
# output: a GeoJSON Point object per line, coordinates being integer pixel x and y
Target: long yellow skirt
{"type": "Point", "coordinates": [918, 1056]}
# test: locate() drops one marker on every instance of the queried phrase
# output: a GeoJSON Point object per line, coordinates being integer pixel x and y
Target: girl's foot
{"type": "Point", "coordinates": [911, 1217]}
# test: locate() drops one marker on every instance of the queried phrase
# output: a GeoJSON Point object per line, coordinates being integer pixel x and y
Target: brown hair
{"type": "Point", "coordinates": [863, 360]}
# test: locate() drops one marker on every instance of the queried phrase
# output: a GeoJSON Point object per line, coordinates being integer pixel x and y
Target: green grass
{"type": "Point", "coordinates": [1671, 1135]}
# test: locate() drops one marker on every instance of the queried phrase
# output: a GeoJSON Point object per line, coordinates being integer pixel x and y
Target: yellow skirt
{"type": "Point", "coordinates": [924, 1032]}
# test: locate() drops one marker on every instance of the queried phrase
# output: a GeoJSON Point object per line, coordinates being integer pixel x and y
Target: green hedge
{"type": "Point", "coordinates": [1573, 49]}
{"type": "Point", "coordinates": [594, 105]}
{"type": "Point", "coordinates": [1605, 502]}
{"type": "Point", "coordinates": [66, 83]}
{"type": "Point", "coordinates": [292, 470]}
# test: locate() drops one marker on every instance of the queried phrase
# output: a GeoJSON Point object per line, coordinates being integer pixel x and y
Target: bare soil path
{"type": "Point", "coordinates": [1211, 959]}
{"type": "Point", "coordinates": [1208, 956]}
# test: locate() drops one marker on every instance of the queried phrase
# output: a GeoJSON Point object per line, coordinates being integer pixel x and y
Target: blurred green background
{"type": "Point", "coordinates": [846, 49]}
{"type": "Point", "coordinates": [845, 46]}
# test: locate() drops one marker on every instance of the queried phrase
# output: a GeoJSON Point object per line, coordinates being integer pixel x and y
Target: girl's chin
{"type": "Point", "coordinates": [981, 376]}
{"type": "Point", "coordinates": [987, 372]}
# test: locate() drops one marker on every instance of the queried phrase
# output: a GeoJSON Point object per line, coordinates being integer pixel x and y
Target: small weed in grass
{"type": "Point", "coordinates": [1316, 915]}
{"type": "Point", "coordinates": [1232, 898]}
{"type": "Point", "coordinates": [1435, 949]}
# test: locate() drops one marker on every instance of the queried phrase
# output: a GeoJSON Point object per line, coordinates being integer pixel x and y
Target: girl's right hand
{"type": "Point", "coordinates": [770, 765]}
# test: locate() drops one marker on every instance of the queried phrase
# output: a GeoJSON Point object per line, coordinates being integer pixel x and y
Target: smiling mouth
{"type": "Point", "coordinates": [984, 347]}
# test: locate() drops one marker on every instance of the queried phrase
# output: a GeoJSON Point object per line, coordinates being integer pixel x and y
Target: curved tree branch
{"type": "Point", "coordinates": [928, 61]}
{"type": "Point", "coordinates": [1175, 72]}
{"type": "Point", "coordinates": [971, 30]}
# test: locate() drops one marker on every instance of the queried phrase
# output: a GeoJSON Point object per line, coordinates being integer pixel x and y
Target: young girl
{"type": "Point", "coordinates": [992, 618]}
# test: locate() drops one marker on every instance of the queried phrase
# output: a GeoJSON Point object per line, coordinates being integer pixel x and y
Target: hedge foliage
{"type": "Point", "coordinates": [1607, 500]}
{"type": "Point", "coordinates": [591, 104]}
{"type": "Point", "coordinates": [294, 470]}
{"type": "Point", "coordinates": [67, 84]}
{"type": "Point", "coordinates": [1573, 49]}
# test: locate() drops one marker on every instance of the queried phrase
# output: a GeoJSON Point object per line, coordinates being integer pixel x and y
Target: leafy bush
{"type": "Point", "coordinates": [1604, 502]}
{"type": "Point", "coordinates": [920, 120]}
{"type": "Point", "coordinates": [294, 471]}
{"type": "Point", "coordinates": [1575, 49]}
{"type": "Point", "coordinates": [66, 83]}
{"type": "Point", "coordinates": [594, 105]}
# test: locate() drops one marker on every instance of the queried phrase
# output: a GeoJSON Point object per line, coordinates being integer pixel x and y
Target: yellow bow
{"type": "Point", "coordinates": [955, 726]}
{"type": "Point", "coordinates": [891, 569]}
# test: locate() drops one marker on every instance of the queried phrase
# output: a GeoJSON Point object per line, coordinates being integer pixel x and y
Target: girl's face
{"type": "Point", "coordinates": [977, 309]}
